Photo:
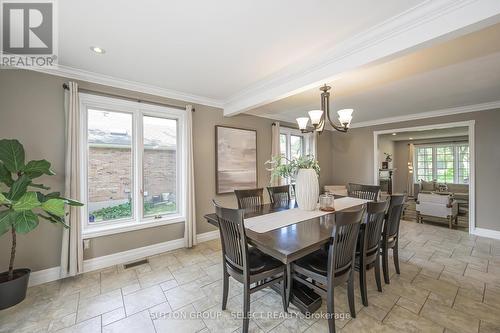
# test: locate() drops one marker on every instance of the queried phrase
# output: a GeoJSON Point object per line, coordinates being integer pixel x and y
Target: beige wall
{"type": "Point", "coordinates": [352, 156]}
{"type": "Point", "coordinates": [31, 110]}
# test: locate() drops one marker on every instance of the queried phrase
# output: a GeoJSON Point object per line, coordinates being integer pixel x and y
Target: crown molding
{"type": "Point", "coordinates": [430, 114]}
{"type": "Point", "coordinates": [83, 75]}
{"type": "Point", "coordinates": [421, 24]}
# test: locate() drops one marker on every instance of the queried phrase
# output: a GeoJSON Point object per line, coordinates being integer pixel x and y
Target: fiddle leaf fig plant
{"type": "Point", "coordinates": [22, 202]}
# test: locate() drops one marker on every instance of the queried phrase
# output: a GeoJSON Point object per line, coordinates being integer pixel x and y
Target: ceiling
{"type": "Point", "coordinates": [455, 73]}
{"type": "Point", "coordinates": [427, 134]}
{"type": "Point", "coordinates": [206, 49]}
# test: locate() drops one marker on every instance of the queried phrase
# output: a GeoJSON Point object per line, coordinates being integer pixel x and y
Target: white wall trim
{"type": "Point", "coordinates": [207, 236]}
{"type": "Point", "coordinates": [417, 27]}
{"type": "Point", "coordinates": [472, 153]}
{"type": "Point", "coordinates": [106, 80]}
{"type": "Point", "coordinates": [44, 276]}
{"type": "Point", "coordinates": [53, 274]}
{"type": "Point", "coordinates": [429, 114]}
{"type": "Point", "coordinates": [488, 233]}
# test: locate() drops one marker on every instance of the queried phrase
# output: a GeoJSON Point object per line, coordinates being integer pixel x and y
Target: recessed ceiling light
{"type": "Point", "coordinates": [393, 133]}
{"type": "Point", "coordinates": [97, 50]}
{"type": "Point", "coordinates": [410, 138]}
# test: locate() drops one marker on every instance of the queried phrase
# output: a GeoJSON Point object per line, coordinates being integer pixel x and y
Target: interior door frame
{"type": "Point", "coordinates": [472, 155]}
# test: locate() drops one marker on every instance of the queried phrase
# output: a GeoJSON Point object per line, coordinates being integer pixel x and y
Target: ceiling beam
{"type": "Point", "coordinates": [418, 27]}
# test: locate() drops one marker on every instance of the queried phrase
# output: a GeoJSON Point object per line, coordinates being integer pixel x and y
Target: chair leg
{"type": "Point", "coordinates": [330, 309]}
{"type": "Point", "coordinates": [362, 282]}
{"type": "Point", "coordinates": [284, 291]}
{"type": "Point", "coordinates": [246, 309]}
{"type": "Point", "coordinates": [350, 295]}
{"type": "Point", "coordinates": [385, 264]}
{"type": "Point", "coordinates": [395, 256]}
{"type": "Point", "coordinates": [450, 221]}
{"type": "Point", "coordinates": [225, 289]}
{"type": "Point", "coordinates": [377, 273]}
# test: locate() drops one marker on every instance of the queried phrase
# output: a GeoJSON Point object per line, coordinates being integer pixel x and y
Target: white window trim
{"type": "Point", "coordinates": [434, 163]}
{"type": "Point", "coordinates": [137, 110]}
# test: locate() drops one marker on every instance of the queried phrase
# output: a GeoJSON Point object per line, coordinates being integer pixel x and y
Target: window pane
{"type": "Point", "coordinates": [283, 145]}
{"type": "Point", "coordinates": [109, 166]}
{"type": "Point", "coordinates": [160, 166]}
{"type": "Point", "coordinates": [296, 146]}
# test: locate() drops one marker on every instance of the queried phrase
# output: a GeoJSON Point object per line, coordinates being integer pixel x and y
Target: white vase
{"type": "Point", "coordinates": [307, 189]}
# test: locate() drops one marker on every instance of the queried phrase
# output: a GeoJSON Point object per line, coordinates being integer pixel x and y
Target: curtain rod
{"type": "Point", "coordinates": [274, 124]}
{"type": "Point", "coordinates": [94, 92]}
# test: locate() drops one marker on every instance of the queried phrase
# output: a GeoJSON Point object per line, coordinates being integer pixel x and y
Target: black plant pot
{"type": "Point", "coordinates": [13, 291]}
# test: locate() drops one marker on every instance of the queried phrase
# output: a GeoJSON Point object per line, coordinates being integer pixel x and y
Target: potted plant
{"type": "Point", "coordinates": [22, 204]}
{"type": "Point", "coordinates": [304, 170]}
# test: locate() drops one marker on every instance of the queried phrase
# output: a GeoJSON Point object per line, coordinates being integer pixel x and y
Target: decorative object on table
{"type": "Point", "coordinates": [326, 202]}
{"type": "Point", "coordinates": [236, 159]}
{"type": "Point", "coordinates": [388, 157]}
{"type": "Point", "coordinates": [318, 116]}
{"type": "Point", "coordinates": [442, 187]}
{"type": "Point", "coordinates": [22, 204]}
{"type": "Point", "coordinates": [385, 165]}
{"type": "Point", "coordinates": [305, 171]}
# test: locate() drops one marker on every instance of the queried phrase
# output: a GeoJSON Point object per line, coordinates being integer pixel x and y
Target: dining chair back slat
{"type": "Point", "coordinates": [233, 238]}
{"type": "Point", "coordinates": [249, 198]}
{"type": "Point", "coordinates": [367, 192]}
{"type": "Point", "coordinates": [279, 194]}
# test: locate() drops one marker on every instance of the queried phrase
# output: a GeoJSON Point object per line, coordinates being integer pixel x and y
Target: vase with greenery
{"type": "Point", "coordinates": [23, 203]}
{"type": "Point", "coordinates": [304, 171]}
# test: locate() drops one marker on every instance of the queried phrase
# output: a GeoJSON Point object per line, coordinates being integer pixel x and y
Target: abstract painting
{"type": "Point", "coordinates": [236, 159]}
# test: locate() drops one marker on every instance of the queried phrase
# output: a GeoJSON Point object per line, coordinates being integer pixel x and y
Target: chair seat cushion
{"type": "Point", "coordinates": [316, 262]}
{"type": "Point", "coordinates": [260, 262]}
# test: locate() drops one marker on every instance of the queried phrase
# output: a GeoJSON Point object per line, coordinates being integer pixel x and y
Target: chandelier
{"type": "Point", "coordinates": [318, 116]}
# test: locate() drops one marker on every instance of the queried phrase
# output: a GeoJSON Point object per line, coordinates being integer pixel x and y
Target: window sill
{"type": "Point", "coordinates": [99, 231]}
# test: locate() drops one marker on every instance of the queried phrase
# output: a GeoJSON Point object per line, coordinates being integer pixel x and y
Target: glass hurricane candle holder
{"type": "Point", "coordinates": [326, 202]}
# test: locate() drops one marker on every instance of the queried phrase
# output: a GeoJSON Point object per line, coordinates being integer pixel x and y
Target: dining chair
{"type": "Point", "coordinates": [249, 198]}
{"type": "Point", "coordinates": [334, 267]}
{"type": "Point", "coordinates": [368, 248]}
{"type": "Point", "coordinates": [367, 192]}
{"type": "Point", "coordinates": [278, 194]}
{"type": "Point", "coordinates": [390, 234]}
{"type": "Point", "coordinates": [249, 266]}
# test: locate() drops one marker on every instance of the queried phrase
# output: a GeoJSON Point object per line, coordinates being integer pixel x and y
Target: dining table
{"type": "Point", "coordinates": [291, 242]}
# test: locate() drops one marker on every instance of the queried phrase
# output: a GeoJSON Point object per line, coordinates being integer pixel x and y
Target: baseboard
{"type": "Point", "coordinates": [44, 276]}
{"type": "Point", "coordinates": [131, 255]}
{"type": "Point", "coordinates": [208, 236]}
{"type": "Point", "coordinates": [486, 233]}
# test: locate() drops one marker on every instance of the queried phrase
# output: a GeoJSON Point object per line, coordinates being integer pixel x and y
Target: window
{"type": "Point", "coordinates": [133, 165]}
{"type": "Point", "coordinates": [446, 163]}
{"type": "Point", "coordinates": [292, 143]}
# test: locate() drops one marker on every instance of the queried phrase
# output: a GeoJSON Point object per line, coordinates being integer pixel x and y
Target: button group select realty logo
{"type": "Point", "coordinates": [28, 37]}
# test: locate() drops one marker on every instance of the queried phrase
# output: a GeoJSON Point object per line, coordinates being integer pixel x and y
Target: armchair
{"type": "Point", "coordinates": [437, 206]}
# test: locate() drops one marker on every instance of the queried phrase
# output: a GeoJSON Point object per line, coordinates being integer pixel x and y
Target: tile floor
{"type": "Point", "coordinates": [449, 282]}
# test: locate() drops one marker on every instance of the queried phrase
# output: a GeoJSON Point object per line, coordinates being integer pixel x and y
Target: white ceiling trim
{"type": "Point", "coordinates": [421, 24]}
{"type": "Point", "coordinates": [82, 75]}
{"type": "Point", "coordinates": [430, 114]}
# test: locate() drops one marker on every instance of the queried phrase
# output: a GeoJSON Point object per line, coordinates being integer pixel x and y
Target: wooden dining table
{"type": "Point", "coordinates": [290, 243]}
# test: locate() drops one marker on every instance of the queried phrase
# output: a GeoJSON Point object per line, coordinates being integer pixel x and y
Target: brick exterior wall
{"type": "Point", "coordinates": [110, 174]}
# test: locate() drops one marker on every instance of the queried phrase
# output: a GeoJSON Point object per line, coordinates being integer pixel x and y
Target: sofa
{"type": "Point", "coordinates": [459, 191]}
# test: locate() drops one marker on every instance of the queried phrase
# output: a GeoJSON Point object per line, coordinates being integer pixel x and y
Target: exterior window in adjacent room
{"type": "Point", "coordinates": [445, 163]}
{"type": "Point", "coordinates": [292, 143]}
{"type": "Point", "coordinates": [133, 156]}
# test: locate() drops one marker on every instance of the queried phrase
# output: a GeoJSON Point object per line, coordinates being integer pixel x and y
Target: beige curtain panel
{"type": "Point", "coordinates": [190, 228]}
{"type": "Point", "coordinates": [411, 164]}
{"type": "Point", "coordinates": [275, 149]}
{"type": "Point", "coordinates": [72, 243]}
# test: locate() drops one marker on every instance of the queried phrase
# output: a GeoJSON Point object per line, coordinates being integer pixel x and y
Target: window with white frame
{"type": "Point", "coordinates": [292, 143]}
{"type": "Point", "coordinates": [445, 163]}
{"type": "Point", "coordinates": [133, 158]}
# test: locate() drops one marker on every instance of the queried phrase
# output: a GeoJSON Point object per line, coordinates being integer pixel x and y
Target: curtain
{"type": "Point", "coordinates": [311, 142]}
{"type": "Point", "coordinates": [72, 247]}
{"type": "Point", "coordinates": [411, 153]}
{"type": "Point", "coordinates": [275, 149]}
{"type": "Point", "coordinates": [190, 228]}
